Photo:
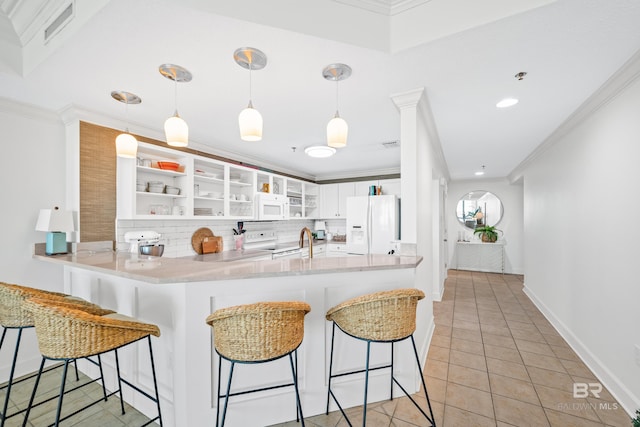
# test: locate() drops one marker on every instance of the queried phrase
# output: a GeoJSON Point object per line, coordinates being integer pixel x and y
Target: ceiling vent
{"type": "Point", "coordinates": [391, 144]}
{"type": "Point", "coordinates": [59, 22]}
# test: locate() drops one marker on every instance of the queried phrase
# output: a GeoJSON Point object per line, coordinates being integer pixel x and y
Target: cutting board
{"type": "Point", "coordinates": [211, 245]}
{"type": "Point", "coordinates": [198, 237]}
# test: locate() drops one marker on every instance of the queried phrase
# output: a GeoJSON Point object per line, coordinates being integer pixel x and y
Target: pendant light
{"type": "Point", "coordinates": [126, 144]}
{"type": "Point", "coordinates": [175, 128]}
{"type": "Point", "coordinates": [337, 128]}
{"type": "Point", "coordinates": [250, 119]}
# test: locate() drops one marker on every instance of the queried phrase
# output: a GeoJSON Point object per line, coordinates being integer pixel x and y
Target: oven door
{"type": "Point", "coordinates": [271, 206]}
{"type": "Point", "coordinates": [291, 253]}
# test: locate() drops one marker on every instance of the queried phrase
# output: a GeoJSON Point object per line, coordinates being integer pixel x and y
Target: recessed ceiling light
{"type": "Point", "coordinates": [320, 151]}
{"type": "Point", "coordinates": [479, 173]}
{"type": "Point", "coordinates": [507, 102]}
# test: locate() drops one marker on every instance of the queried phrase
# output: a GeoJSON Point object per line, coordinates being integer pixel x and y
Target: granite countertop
{"type": "Point", "coordinates": [191, 269]}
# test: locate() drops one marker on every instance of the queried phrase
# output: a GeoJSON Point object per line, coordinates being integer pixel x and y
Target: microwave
{"type": "Point", "coordinates": [271, 206]}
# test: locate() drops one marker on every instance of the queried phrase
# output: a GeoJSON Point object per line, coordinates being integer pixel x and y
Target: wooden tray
{"type": "Point", "coordinates": [198, 238]}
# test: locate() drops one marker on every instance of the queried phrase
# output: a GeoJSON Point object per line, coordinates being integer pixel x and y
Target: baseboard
{"type": "Point", "coordinates": [423, 347]}
{"type": "Point", "coordinates": [622, 394]}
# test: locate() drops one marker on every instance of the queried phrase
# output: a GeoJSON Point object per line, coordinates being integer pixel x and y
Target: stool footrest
{"type": "Point", "coordinates": [238, 393]}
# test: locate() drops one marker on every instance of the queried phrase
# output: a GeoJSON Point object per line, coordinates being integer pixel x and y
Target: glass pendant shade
{"type": "Point", "coordinates": [250, 121]}
{"type": "Point", "coordinates": [126, 146]}
{"type": "Point", "coordinates": [176, 131]}
{"type": "Point", "coordinates": [337, 130]}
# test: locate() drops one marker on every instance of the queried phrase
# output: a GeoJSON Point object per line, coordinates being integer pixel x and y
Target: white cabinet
{"type": "Point", "coordinates": [388, 186]}
{"type": "Point", "coordinates": [336, 249]}
{"type": "Point", "coordinates": [333, 199]}
{"type": "Point", "coordinates": [147, 188]}
{"type": "Point", "coordinates": [478, 256]}
{"type": "Point", "coordinates": [303, 198]}
{"type": "Point", "coordinates": [319, 251]}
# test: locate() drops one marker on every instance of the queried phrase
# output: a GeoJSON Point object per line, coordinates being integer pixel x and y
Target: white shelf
{"type": "Point", "coordinates": [164, 172]}
{"type": "Point", "coordinates": [171, 196]}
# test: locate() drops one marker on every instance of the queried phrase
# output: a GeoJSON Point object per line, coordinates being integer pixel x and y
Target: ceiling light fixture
{"type": "Point", "coordinates": [507, 102]}
{"type": "Point", "coordinates": [126, 144]}
{"type": "Point", "coordinates": [337, 128]}
{"type": "Point", "coordinates": [320, 151]}
{"type": "Point", "coordinates": [175, 128]}
{"type": "Point", "coordinates": [250, 119]}
{"type": "Point", "coordinates": [479, 173]}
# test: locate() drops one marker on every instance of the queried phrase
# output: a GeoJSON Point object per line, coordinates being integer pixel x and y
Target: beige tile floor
{"type": "Point", "coordinates": [494, 361]}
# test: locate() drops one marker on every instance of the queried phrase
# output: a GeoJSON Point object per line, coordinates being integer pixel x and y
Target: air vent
{"type": "Point", "coordinates": [391, 144]}
{"type": "Point", "coordinates": [59, 22]}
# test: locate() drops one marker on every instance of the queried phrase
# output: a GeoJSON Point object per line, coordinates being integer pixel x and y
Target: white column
{"type": "Point", "coordinates": [407, 104]}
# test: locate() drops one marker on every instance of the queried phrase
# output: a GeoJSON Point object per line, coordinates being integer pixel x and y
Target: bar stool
{"type": "Point", "coordinates": [13, 315]}
{"type": "Point", "coordinates": [381, 317]}
{"type": "Point", "coordinates": [258, 333]}
{"type": "Point", "coordinates": [66, 334]}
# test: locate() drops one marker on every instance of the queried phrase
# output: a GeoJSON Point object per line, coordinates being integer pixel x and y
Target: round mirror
{"type": "Point", "coordinates": [479, 208]}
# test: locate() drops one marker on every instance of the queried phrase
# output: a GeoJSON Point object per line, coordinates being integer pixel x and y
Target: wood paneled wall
{"type": "Point", "coordinates": [97, 183]}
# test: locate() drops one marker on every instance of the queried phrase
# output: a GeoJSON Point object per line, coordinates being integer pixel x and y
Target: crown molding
{"type": "Point", "coordinates": [28, 110]}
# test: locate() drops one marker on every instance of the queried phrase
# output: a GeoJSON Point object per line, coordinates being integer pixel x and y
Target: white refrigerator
{"type": "Point", "coordinates": [372, 223]}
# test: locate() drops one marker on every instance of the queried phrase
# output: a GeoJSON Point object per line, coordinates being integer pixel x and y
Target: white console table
{"type": "Point", "coordinates": [479, 256]}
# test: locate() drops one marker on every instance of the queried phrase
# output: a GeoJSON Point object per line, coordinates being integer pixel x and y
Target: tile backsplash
{"type": "Point", "coordinates": [176, 234]}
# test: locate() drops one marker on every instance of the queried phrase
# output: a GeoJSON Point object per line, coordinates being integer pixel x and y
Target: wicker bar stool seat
{"type": "Point", "coordinates": [66, 333]}
{"type": "Point", "coordinates": [14, 315]}
{"type": "Point", "coordinates": [381, 317]}
{"type": "Point", "coordinates": [258, 333]}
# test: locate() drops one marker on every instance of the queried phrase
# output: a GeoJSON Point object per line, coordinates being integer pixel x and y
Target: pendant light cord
{"type": "Point", "coordinates": [126, 116]}
{"type": "Point", "coordinates": [250, 86]}
{"type": "Point", "coordinates": [337, 99]}
{"type": "Point", "coordinates": [175, 95]}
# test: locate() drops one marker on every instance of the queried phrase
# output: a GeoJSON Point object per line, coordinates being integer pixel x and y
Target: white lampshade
{"type": "Point", "coordinates": [55, 220]}
{"type": "Point", "coordinates": [126, 146]}
{"type": "Point", "coordinates": [250, 121]}
{"type": "Point", "coordinates": [337, 130]}
{"type": "Point", "coordinates": [176, 131]}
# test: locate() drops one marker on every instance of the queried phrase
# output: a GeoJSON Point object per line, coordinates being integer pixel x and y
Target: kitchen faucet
{"type": "Point", "coordinates": [306, 231]}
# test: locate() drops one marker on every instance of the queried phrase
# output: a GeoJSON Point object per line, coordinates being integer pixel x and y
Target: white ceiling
{"type": "Point", "coordinates": [463, 55]}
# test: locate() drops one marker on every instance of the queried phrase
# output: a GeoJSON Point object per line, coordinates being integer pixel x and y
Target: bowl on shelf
{"type": "Point", "coordinates": [156, 188]}
{"type": "Point", "coordinates": [152, 250]}
{"type": "Point", "coordinates": [172, 190]}
{"type": "Point", "coordinates": [172, 166]}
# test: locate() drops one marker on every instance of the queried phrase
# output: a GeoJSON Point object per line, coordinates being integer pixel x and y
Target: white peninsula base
{"type": "Point", "coordinates": [184, 354]}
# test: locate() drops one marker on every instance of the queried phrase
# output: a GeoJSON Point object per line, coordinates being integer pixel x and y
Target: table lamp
{"type": "Point", "coordinates": [56, 222]}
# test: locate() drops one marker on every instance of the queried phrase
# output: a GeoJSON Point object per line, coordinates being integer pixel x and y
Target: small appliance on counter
{"type": "Point", "coordinates": [144, 242]}
{"type": "Point", "coordinates": [320, 229]}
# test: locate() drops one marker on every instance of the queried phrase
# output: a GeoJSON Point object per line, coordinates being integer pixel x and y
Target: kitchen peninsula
{"type": "Point", "coordinates": [178, 293]}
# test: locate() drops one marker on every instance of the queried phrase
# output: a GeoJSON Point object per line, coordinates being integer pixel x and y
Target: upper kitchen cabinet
{"type": "Point", "coordinates": [334, 199]}
{"type": "Point", "coordinates": [303, 198]}
{"type": "Point", "coordinates": [209, 189]}
{"type": "Point", "coordinates": [388, 186]}
{"type": "Point", "coordinates": [311, 200]}
{"type": "Point", "coordinates": [156, 183]}
{"type": "Point", "coordinates": [242, 182]}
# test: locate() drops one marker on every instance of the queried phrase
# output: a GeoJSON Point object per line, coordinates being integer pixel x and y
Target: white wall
{"type": "Point", "coordinates": [511, 224]}
{"type": "Point", "coordinates": [32, 168]}
{"type": "Point", "coordinates": [581, 198]}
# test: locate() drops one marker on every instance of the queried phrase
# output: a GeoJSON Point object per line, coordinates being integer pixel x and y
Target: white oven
{"type": "Point", "coordinates": [271, 206]}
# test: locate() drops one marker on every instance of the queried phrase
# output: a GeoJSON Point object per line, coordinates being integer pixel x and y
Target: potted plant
{"type": "Point", "coordinates": [488, 233]}
{"type": "Point", "coordinates": [636, 420]}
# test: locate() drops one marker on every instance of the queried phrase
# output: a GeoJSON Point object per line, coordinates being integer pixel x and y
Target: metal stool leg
{"type": "Point", "coordinates": [104, 387]}
{"type": "Point", "coordinates": [366, 385]}
{"type": "Point", "coordinates": [295, 386]}
{"type": "Point", "coordinates": [226, 399]}
{"type": "Point", "coordinates": [424, 385]}
{"type": "Point", "coordinates": [218, 400]}
{"type": "Point", "coordinates": [155, 381]}
{"type": "Point", "coordinates": [119, 382]}
{"type": "Point", "coordinates": [391, 385]}
{"type": "Point", "coordinates": [61, 397]}
{"type": "Point", "coordinates": [333, 334]}
{"type": "Point", "coordinates": [33, 393]}
{"type": "Point", "coordinates": [13, 370]}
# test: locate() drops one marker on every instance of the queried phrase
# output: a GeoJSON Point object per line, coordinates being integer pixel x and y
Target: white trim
{"type": "Point", "coordinates": [616, 387]}
{"type": "Point", "coordinates": [28, 110]}
{"type": "Point", "coordinates": [384, 7]}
